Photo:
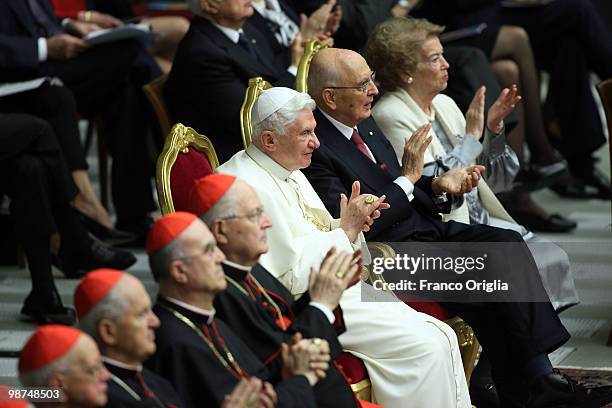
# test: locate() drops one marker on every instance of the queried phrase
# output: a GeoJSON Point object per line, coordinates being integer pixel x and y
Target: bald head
{"type": "Point", "coordinates": [340, 82]}
{"type": "Point", "coordinates": [327, 68]}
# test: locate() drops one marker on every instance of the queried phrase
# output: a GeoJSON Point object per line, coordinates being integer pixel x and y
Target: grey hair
{"type": "Point", "coordinates": [159, 261]}
{"type": "Point", "coordinates": [40, 377]}
{"type": "Point", "coordinates": [285, 116]}
{"type": "Point", "coordinates": [112, 307]}
{"type": "Point", "coordinates": [225, 207]}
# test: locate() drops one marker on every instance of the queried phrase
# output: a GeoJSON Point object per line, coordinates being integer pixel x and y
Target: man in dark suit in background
{"type": "Point", "coordinates": [213, 65]}
{"type": "Point", "coordinates": [105, 79]}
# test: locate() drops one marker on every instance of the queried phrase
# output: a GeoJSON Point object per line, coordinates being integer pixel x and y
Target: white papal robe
{"type": "Point", "coordinates": [412, 359]}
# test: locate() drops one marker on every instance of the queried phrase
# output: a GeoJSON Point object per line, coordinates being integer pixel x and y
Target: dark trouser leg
{"type": "Point", "coordinates": [512, 333]}
{"type": "Point", "coordinates": [104, 82]}
{"type": "Point", "coordinates": [56, 105]}
{"type": "Point", "coordinates": [575, 108]}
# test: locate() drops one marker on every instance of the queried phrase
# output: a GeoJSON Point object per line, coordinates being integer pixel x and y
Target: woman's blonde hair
{"type": "Point", "coordinates": [394, 46]}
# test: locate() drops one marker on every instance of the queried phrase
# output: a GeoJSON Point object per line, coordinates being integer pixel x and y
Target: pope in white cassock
{"type": "Point", "coordinates": [412, 359]}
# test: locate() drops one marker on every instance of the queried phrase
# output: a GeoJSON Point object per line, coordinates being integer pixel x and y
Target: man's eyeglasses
{"type": "Point", "coordinates": [363, 87]}
{"type": "Point", "coordinates": [253, 216]}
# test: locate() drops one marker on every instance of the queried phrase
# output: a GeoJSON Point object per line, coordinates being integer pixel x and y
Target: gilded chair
{"type": "Point", "coordinates": [256, 85]}
{"type": "Point", "coordinates": [155, 94]}
{"type": "Point", "coordinates": [301, 79]}
{"type": "Point", "coordinates": [605, 92]}
{"type": "Point", "coordinates": [468, 343]}
{"type": "Point", "coordinates": [186, 157]}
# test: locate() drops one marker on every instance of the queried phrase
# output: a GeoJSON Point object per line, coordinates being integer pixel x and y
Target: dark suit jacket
{"type": "Point", "coordinates": [18, 42]}
{"type": "Point", "coordinates": [338, 163]}
{"type": "Point", "coordinates": [282, 54]}
{"type": "Point", "coordinates": [208, 80]}
{"type": "Point", "coordinates": [197, 374]}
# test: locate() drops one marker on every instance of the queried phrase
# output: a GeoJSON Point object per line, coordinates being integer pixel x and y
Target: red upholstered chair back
{"type": "Point", "coordinates": [68, 8]}
{"type": "Point", "coordinates": [186, 157]}
{"type": "Point", "coordinates": [186, 170]}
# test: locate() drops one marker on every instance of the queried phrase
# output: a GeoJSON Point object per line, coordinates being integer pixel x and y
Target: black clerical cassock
{"type": "Point", "coordinates": [138, 388]}
{"type": "Point", "coordinates": [259, 308]}
{"type": "Point", "coordinates": [204, 360]}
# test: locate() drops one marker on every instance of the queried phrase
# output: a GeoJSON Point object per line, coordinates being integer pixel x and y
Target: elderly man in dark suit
{"type": "Point", "coordinates": [105, 79]}
{"type": "Point", "coordinates": [517, 335]}
{"type": "Point", "coordinates": [213, 65]}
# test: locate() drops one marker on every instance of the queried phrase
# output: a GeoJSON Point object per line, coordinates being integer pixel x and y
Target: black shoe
{"type": "Point", "coordinates": [556, 390]}
{"type": "Point", "coordinates": [600, 181]}
{"type": "Point", "coordinates": [580, 188]}
{"type": "Point", "coordinates": [534, 177]}
{"type": "Point", "coordinates": [554, 223]}
{"type": "Point", "coordinates": [97, 255]}
{"type": "Point", "coordinates": [111, 236]}
{"type": "Point", "coordinates": [48, 312]}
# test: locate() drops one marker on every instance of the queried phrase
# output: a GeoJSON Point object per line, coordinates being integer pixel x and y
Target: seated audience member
{"type": "Point", "coordinates": [470, 69]}
{"type": "Point", "coordinates": [170, 29]}
{"type": "Point", "coordinates": [66, 358]}
{"type": "Point", "coordinates": [56, 105]}
{"type": "Point", "coordinates": [213, 65]}
{"type": "Point", "coordinates": [393, 341]}
{"type": "Point", "coordinates": [255, 304]}
{"type": "Point", "coordinates": [196, 351]}
{"type": "Point", "coordinates": [34, 175]}
{"type": "Point", "coordinates": [516, 335]}
{"type": "Point", "coordinates": [114, 308]}
{"type": "Point", "coordinates": [105, 79]}
{"type": "Point", "coordinates": [407, 57]}
{"type": "Point", "coordinates": [281, 24]}
{"type": "Point", "coordinates": [563, 37]}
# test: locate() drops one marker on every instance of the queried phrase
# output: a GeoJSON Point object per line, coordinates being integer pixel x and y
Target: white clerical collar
{"type": "Point", "coordinates": [234, 265]}
{"type": "Point", "coordinates": [232, 34]}
{"type": "Point", "coordinates": [117, 363]}
{"type": "Point", "coordinates": [208, 313]}
{"type": "Point", "coordinates": [347, 131]}
{"type": "Point", "coordinates": [268, 163]}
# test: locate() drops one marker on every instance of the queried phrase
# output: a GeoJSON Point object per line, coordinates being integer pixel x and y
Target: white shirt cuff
{"type": "Point", "coordinates": [328, 313]}
{"type": "Point", "coordinates": [42, 49]}
{"type": "Point", "coordinates": [292, 70]}
{"type": "Point", "coordinates": [405, 185]}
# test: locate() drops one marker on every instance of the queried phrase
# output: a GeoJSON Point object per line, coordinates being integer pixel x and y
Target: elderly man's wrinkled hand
{"type": "Point", "coordinates": [458, 181]}
{"type": "Point", "coordinates": [245, 394]}
{"type": "Point", "coordinates": [358, 212]}
{"type": "Point", "coordinates": [335, 274]}
{"type": "Point", "coordinates": [413, 158]}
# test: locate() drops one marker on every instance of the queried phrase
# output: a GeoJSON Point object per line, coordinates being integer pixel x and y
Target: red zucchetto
{"type": "Point", "coordinates": [207, 191]}
{"type": "Point", "coordinates": [48, 344]}
{"type": "Point", "coordinates": [93, 288]}
{"type": "Point", "coordinates": [167, 228]}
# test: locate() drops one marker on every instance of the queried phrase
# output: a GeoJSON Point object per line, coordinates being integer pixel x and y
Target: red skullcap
{"type": "Point", "coordinates": [93, 288]}
{"type": "Point", "coordinates": [167, 228]}
{"type": "Point", "coordinates": [207, 191]}
{"type": "Point", "coordinates": [48, 344]}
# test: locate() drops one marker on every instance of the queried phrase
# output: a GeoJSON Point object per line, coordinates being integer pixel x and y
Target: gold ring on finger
{"type": "Point", "coordinates": [370, 199]}
{"type": "Point", "coordinates": [340, 274]}
{"type": "Point", "coordinates": [316, 341]}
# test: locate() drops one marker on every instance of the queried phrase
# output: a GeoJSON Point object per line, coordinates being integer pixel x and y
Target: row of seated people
{"type": "Point", "coordinates": [225, 332]}
{"type": "Point", "coordinates": [42, 147]}
{"type": "Point", "coordinates": [217, 64]}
